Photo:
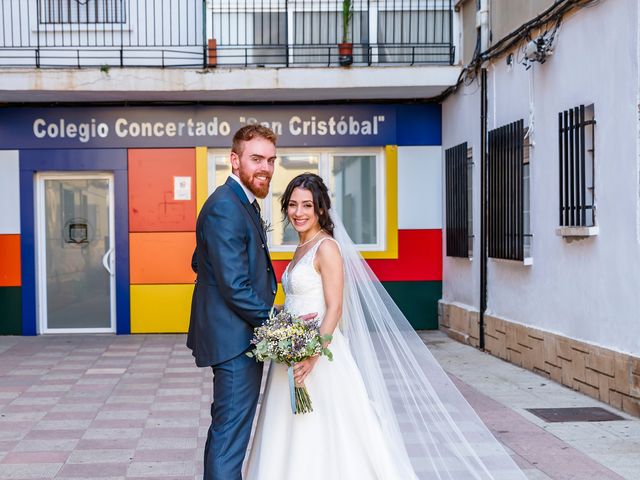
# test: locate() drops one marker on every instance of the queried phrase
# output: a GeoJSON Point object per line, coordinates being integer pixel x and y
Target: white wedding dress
{"type": "Point", "coordinates": [342, 438]}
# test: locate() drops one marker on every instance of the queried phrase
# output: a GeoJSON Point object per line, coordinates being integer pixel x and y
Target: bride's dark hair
{"type": "Point", "coordinates": [320, 194]}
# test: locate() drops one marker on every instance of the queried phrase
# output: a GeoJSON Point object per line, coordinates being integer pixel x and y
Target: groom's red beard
{"type": "Point", "coordinates": [258, 188]}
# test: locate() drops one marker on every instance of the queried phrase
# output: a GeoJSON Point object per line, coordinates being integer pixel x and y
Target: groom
{"type": "Point", "coordinates": [234, 292]}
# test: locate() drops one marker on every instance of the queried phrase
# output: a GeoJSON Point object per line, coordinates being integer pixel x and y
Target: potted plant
{"type": "Point", "coordinates": [345, 48]}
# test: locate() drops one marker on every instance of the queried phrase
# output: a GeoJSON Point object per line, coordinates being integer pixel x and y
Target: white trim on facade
{"type": "Point", "coordinates": [220, 84]}
{"type": "Point", "coordinates": [419, 207]}
{"type": "Point", "coordinates": [10, 192]}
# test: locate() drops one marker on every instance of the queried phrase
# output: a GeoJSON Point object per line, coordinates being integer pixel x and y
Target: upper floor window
{"type": "Point", "coordinates": [81, 11]}
{"type": "Point", "coordinates": [576, 165]}
{"type": "Point", "coordinates": [508, 211]}
{"type": "Point", "coordinates": [413, 32]}
{"type": "Point", "coordinates": [304, 32]}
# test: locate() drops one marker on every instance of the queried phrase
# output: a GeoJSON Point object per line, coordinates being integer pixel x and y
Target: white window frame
{"type": "Point", "coordinates": [39, 3]}
{"type": "Point", "coordinates": [41, 251]}
{"type": "Point", "coordinates": [52, 29]}
{"type": "Point", "coordinates": [324, 155]}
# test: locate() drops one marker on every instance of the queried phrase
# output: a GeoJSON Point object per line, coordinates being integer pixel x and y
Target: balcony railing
{"type": "Point", "coordinates": [225, 33]}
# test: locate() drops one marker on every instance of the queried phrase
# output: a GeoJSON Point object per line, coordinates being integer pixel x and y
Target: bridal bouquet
{"type": "Point", "coordinates": [285, 338]}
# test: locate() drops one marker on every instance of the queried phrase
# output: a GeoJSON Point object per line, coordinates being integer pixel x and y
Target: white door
{"type": "Point", "coordinates": [76, 252]}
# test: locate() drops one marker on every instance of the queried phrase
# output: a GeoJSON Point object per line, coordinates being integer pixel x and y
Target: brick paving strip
{"type": "Point", "coordinates": [533, 448]}
{"type": "Point", "coordinates": [133, 407]}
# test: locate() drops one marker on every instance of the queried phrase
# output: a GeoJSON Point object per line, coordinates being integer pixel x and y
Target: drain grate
{"type": "Point", "coordinates": [576, 414]}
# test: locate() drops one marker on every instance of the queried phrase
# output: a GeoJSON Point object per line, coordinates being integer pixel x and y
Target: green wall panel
{"type": "Point", "coordinates": [418, 301]}
{"type": "Point", "coordinates": [10, 311]}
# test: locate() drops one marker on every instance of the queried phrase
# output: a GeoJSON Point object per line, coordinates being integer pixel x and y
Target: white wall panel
{"type": "Point", "coordinates": [419, 187]}
{"type": "Point", "coordinates": [9, 192]}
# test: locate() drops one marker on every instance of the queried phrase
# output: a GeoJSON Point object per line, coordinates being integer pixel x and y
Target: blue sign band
{"type": "Point", "coordinates": [214, 126]}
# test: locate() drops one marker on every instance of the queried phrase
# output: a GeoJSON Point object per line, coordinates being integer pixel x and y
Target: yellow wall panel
{"type": "Point", "coordinates": [202, 182]}
{"type": "Point", "coordinates": [391, 154]}
{"type": "Point", "coordinates": [279, 296]}
{"type": "Point", "coordinates": [160, 308]}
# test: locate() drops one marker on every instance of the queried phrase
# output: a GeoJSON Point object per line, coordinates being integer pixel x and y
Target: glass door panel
{"type": "Point", "coordinates": [78, 253]}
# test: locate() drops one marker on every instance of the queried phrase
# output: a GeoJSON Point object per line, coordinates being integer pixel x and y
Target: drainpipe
{"type": "Point", "coordinates": [205, 59]}
{"type": "Point", "coordinates": [483, 204]}
{"type": "Point", "coordinates": [482, 23]}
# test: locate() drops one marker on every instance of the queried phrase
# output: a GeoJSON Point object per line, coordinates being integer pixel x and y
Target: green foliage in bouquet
{"type": "Point", "coordinates": [287, 339]}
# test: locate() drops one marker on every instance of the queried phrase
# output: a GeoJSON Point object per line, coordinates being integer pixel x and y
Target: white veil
{"type": "Point", "coordinates": [421, 411]}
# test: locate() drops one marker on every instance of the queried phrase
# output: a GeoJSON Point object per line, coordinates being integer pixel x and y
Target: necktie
{"type": "Point", "coordinates": [256, 206]}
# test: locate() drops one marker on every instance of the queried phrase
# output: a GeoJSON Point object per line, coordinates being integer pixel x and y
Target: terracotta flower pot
{"type": "Point", "coordinates": [212, 52]}
{"type": "Point", "coordinates": [345, 54]}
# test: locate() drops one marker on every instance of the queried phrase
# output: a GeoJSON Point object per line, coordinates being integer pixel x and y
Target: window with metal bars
{"type": "Point", "coordinates": [459, 201]}
{"type": "Point", "coordinates": [81, 11]}
{"type": "Point", "coordinates": [508, 209]}
{"type": "Point", "coordinates": [576, 155]}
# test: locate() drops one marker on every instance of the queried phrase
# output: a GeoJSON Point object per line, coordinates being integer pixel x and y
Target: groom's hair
{"type": "Point", "coordinates": [249, 132]}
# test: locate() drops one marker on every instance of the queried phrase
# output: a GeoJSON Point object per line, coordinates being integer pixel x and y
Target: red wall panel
{"type": "Point", "coordinates": [10, 274]}
{"type": "Point", "coordinates": [153, 206]}
{"type": "Point", "coordinates": [419, 258]}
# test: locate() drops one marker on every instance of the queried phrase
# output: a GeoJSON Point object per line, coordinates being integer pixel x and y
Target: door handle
{"type": "Point", "coordinates": [106, 261]}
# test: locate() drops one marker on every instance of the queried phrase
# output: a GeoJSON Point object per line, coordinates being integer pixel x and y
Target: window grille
{"type": "Point", "coordinates": [458, 201]}
{"type": "Point", "coordinates": [576, 154]}
{"type": "Point", "coordinates": [508, 193]}
{"type": "Point", "coordinates": [470, 200]}
{"type": "Point", "coordinates": [526, 196]}
{"type": "Point", "coordinates": [81, 11]}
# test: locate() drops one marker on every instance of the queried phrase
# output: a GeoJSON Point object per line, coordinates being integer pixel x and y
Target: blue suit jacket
{"type": "Point", "coordinates": [236, 284]}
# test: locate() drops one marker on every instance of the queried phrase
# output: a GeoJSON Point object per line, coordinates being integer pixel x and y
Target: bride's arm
{"type": "Point", "coordinates": [328, 262]}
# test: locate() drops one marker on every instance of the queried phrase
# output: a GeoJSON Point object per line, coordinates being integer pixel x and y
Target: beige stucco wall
{"type": "Point", "coordinates": [507, 15]}
{"type": "Point", "coordinates": [469, 32]}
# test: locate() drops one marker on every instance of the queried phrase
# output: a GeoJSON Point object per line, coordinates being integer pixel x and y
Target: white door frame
{"type": "Point", "coordinates": [41, 251]}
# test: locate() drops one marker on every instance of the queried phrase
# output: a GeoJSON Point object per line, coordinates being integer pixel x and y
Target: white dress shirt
{"type": "Point", "coordinates": [247, 192]}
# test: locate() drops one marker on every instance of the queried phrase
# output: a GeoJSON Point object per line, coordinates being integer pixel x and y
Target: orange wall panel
{"type": "Point", "coordinates": [161, 257]}
{"type": "Point", "coordinates": [10, 261]}
{"type": "Point", "coordinates": [153, 204]}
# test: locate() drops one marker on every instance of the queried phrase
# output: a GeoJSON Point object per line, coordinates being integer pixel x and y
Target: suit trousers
{"type": "Point", "coordinates": [236, 387]}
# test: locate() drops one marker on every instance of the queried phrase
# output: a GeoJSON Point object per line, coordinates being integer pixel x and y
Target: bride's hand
{"type": "Point", "coordinates": [304, 368]}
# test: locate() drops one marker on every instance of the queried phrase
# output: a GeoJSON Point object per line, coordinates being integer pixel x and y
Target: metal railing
{"type": "Point", "coordinates": [90, 33]}
{"type": "Point", "coordinates": [229, 33]}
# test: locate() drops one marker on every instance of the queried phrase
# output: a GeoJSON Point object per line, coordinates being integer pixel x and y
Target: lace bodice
{"type": "Point", "coordinates": [303, 285]}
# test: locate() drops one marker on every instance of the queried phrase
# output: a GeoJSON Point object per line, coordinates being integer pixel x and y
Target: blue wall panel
{"type": "Point", "coordinates": [103, 160]}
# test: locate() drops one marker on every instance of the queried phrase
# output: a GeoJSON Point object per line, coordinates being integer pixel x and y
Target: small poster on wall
{"type": "Point", "coordinates": [182, 188]}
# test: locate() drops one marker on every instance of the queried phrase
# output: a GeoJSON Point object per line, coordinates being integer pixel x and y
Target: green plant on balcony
{"type": "Point", "coordinates": [345, 48]}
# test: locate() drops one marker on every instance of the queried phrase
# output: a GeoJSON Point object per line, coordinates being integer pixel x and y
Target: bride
{"type": "Point", "coordinates": [383, 409]}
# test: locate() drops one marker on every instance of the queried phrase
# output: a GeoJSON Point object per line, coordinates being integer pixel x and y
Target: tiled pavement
{"type": "Point", "coordinates": [136, 407]}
